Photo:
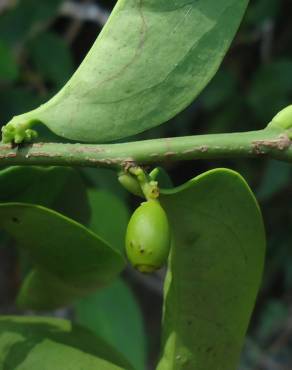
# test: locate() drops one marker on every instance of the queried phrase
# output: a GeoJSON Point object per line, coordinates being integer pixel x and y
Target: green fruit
{"type": "Point", "coordinates": [148, 237]}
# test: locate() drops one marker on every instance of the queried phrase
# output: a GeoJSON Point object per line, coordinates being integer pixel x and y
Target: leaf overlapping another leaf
{"type": "Point", "coordinates": [33, 343]}
{"type": "Point", "coordinates": [150, 61]}
{"type": "Point", "coordinates": [77, 259]}
{"type": "Point", "coordinates": [214, 272]}
{"type": "Point", "coordinates": [69, 259]}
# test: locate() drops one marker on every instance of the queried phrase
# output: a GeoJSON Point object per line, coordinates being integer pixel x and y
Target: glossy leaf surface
{"type": "Point", "coordinates": [152, 58]}
{"type": "Point", "coordinates": [34, 343]}
{"type": "Point", "coordinates": [70, 259]}
{"type": "Point", "coordinates": [215, 270]}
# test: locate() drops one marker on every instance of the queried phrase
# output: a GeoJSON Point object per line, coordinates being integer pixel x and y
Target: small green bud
{"type": "Point", "coordinates": [130, 183]}
{"type": "Point", "coordinates": [18, 132]}
{"type": "Point", "coordinates": [283, 119]}
{"type": "Point", "coordinates": [154, 173]}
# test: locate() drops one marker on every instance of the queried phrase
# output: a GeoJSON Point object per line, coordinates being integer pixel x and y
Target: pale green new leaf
{"type": "Point", "coordinates": [214, 272]}
{"type": "Point", "coordinates": [152, 58]}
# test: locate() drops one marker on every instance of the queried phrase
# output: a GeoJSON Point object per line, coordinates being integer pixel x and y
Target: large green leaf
{"type": "Point", "coordinates": [34, 343]}
{"type": "Point", "coordinates": [70, 259]}
{"type": "Point", "coordinates": [214, 274]}
{"type": "Point", "coordinates": [150, 61]}
{"type": "Point", "coordinates": [32, 184]}
{"type": "Point", "coordinates": [112, 312]}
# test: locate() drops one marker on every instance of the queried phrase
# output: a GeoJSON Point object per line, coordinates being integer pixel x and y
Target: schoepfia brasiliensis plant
{"type": "Point", "coordinates": [150, 61]}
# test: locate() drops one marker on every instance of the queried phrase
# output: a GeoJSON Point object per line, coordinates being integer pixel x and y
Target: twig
{"type": "Point", "coordinates": [271, 143]}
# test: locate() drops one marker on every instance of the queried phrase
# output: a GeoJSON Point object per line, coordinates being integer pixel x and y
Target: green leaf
{"type": "Point", "coordinates": [42, 290]}
{"type": "Point", "coordinates": [8, 66]}
{"type": "Point", "coordinates": [214, 274]}
{"type": "Point", "coordinates": [32, 184]}
{"type": "Point", "coordinates": [67, 203]}
{"type": "Point", "coordinates": [45, 50]}
{"type": "Point", "coordinates": [105, 179]}
{"type": "Point", "coordinates": [54, 187]}
{"type": "Point", "coordinates": [151, 54]}
{"type": "Point", "coordinates": [33, 343]}
{"type": "Point", "coordinates": [110, 314]}
{"type": "Point", "coordinates": [78, 259]}
{"type": "Point", "coordinates": [109, 217]}
{"type": "Point", "coordinates": [163, 179]}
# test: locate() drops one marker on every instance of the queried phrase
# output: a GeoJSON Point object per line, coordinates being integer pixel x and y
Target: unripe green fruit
{"type": "Point", "coordinates": [148, 237]}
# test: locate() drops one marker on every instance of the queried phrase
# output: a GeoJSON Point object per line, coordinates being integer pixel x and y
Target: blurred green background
{"type": "Point", "coordinates": [41, 44]}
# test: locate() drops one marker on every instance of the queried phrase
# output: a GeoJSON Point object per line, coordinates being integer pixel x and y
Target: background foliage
{"type": "Point", "coordinates": [41, 44]}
